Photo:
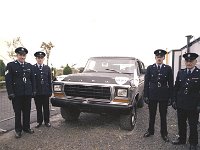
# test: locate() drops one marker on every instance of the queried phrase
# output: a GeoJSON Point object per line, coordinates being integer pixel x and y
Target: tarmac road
{"type": "Point", "coordinates": [7, 113]}
{"type": "Point", "coordinates": [94, 132]}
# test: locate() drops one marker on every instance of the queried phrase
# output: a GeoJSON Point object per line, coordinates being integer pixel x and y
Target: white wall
{"type": "Point", "coordinates": [176, 63]}
{"type": "Point", "coordinates": [195, 48]}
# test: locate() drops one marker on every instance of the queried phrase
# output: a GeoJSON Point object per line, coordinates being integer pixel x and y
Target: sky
{"type": "Point", "coordinates": [80, 29]}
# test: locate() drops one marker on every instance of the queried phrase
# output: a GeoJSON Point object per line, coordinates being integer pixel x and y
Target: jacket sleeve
{"type": "Point", "coordinates": [176, 87]}
{"type": "Point", "coordinates": [146, 82]}
{"type": "Point", "coordinates": [171, 82]}
{"type": "Point", "coordinates": [49, 80]}
{"type": "Point", "coordinates": [33, 81]}
{"type": "Point", "coordinates": [9, 79]}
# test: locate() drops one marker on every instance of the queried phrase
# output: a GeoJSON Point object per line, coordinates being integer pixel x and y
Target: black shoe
{"type": "Point", "coordinates": [193, 147]}
{"type": "Point", "coordinates": [47, 124]}
{"type": "Point", "coordinates": [18, 134]}
{"type": "Point", "coordinates": [30, 131]}
{"type": "Point", "coordinates": [178, 142]}
{"type": "Point", "coordinates": [165, 138]}
{"type": "Point", "coordinates": [147, 134]}
{"type": "Point", "coordinates": [38, 125]}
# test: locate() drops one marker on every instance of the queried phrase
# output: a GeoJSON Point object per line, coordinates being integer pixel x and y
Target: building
{"type": "Point", "coordinates": [175, 59]}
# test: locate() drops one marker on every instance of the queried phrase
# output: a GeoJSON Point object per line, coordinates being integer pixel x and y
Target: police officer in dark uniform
{"type": "Point", "coordinates": [187, 100]}
{"type": "Point", "coordinates": [158, 89]}
{"type": "Point", "coordinates": [20, 84]}
{"type": "Point", "coordinates": [43, 89]}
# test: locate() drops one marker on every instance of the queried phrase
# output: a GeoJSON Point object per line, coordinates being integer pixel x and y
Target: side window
{"type": "Point", "coordinates": [142, 65]}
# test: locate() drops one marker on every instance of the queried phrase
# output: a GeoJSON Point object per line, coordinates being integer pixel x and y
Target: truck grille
{"type": "Point", "coordinates": [96, 92]}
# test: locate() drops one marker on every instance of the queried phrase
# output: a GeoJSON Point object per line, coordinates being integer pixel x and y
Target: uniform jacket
{"type": "Point", "coordinates": [20, 80]}
{"type": "Point", "coordinates": [187, 89]}
{"type": "Point", "coordinates": [43, 80]}
{"type": "Point", "coordinates": [158, 85]}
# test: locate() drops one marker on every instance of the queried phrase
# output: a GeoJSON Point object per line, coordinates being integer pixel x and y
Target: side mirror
{"type": "Point", "coordinates": [143, 71]}
{"type": "Point", "coordinates": [81, 69]}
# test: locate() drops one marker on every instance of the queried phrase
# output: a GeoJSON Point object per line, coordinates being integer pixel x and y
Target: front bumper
{"type": "Point", "coordinates": [92, 107]}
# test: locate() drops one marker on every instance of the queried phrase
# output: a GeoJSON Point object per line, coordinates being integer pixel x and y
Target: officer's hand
{"type": "Point", "coordinates": [198, 109]}
{"type": "Point", "coordinates": [174, 105]}
{"type": "Point", "coordinates": [11, 96]}
{"type": "Point", "coordinates": [50, 95]}
{"type": "Point", "coordinates": [146, 100]}
{"type": "Point", "coordinates": [169, 102]}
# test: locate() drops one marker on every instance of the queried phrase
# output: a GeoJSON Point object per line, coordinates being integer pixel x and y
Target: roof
{"type": "Point", "coordinates": [113, 57]}
{"type": "Point", "coordinates": [191, 43]}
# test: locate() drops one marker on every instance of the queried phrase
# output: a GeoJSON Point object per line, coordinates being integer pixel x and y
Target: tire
{"type": "Point", "coordinates": [127, 122]}
{"type": "Point", "coordinates": [140, 102]}
{"type": "Point", "coordinates": [70, 114]}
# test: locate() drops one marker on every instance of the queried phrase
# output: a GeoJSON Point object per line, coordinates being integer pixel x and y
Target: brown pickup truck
{"type": "Point", "coordinates": [111, 85]}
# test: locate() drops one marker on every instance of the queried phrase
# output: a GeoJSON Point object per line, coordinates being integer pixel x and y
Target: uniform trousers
{"type": "Point", "coordinates": [42, 106]}
{"type": "Point", "coordinates": [22, 107]}
{"type": "Point", "coordinates": [163, 105]}
{"type": "Point", "coordinates": [192, 116]}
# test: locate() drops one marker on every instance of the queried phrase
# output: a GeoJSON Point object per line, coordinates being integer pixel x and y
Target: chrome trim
{"type": "Point", "coordinates": [88, 84]}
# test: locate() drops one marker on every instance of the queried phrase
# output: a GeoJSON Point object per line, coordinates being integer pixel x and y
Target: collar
{"type": "Point", "coordinates": [39, 65]}
{"type": "Point", "coordinates": [191, 69]}
{"type": "Point", "coordinates": [20, 62]}
{"type": "Point", "coordinates": [159, 65]}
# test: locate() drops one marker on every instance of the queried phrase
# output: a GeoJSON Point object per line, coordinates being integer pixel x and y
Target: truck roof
{"type": "Point", "coordinates": [113, 57]}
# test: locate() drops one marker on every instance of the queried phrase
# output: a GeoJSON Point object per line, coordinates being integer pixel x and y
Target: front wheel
{"type": "Point", "coordinates": [127, 122]}
{"type": "Point", "coordinates": [70, 114]}
{"type": "Point", "coordinates": [140, 102]}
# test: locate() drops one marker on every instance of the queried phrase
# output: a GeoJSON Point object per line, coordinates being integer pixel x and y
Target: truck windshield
{"type": "Point", "coordinates": [110, 65]}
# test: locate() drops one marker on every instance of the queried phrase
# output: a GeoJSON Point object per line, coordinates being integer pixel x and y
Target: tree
{"type": "Point", "coordinates": [2, 68]}
{"type": "Point", "coordinates": [67, 70]}
{"type": "Point", "coordinates": [47, 48]}
{"type": "Point", "coordinates": [12, 45]}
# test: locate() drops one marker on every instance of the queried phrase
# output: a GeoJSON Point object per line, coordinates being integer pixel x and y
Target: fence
{"type": "Point", "coordinates": [7, 113]}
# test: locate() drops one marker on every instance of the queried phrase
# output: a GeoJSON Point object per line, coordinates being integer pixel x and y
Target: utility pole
{"type": "Point", "coordinates": [189, 37]}
{"type": "Point", "coordinates": [167, 57]}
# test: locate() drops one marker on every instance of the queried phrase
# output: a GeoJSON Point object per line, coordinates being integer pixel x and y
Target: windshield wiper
{"type": "Point", "coordinates": [127, 72]}
{"type": "Point", "coordinates": [113, 70]}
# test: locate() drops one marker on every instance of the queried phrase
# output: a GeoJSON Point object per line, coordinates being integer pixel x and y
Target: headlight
{"type": "Point", "coordinates": [122, 92]}
{"type": "Point", "coordinates": [57, 88]}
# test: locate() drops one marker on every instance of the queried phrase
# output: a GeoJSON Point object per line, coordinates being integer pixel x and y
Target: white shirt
{"type": "Point", "coordinates": [190, 69]}
{"type": "Point", "coordinates": [159, 65]}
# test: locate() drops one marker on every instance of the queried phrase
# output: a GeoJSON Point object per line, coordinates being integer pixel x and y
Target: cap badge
{"type": "Point", "coordinates": [188, 55]}
{"type": "Point", "coordinates": [159, 51]}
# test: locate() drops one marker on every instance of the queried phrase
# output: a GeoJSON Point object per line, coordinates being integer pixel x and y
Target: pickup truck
{"type": "Point", "coordinates": [108, 85]}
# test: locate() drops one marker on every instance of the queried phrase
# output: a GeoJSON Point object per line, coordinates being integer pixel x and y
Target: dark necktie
{"type": "Point", "coordinates": [158, 68]}
{"type": "Point", "coordinates": [40, 67]}
{"type": "Point", "coordinates": [22, 65]}
{"type": "Point", "coordinates": [189, 72]}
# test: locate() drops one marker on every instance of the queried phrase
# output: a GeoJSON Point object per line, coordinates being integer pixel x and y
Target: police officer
{"type": "Point", "coordinates": [158, 89]}
{"type": "Point", "coordinates": [20, 84]}
{"type": "Point", "coordinates": [43, 89]}
{"type": "Point", "coordinates": [187, 100]}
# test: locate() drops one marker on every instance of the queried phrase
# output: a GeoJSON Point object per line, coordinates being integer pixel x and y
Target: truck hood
{"type": "Point", "coordinates": [105, 78]}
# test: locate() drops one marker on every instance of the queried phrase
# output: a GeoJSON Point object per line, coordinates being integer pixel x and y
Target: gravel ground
{"type": "Point", "coordinates": [94, 132]}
